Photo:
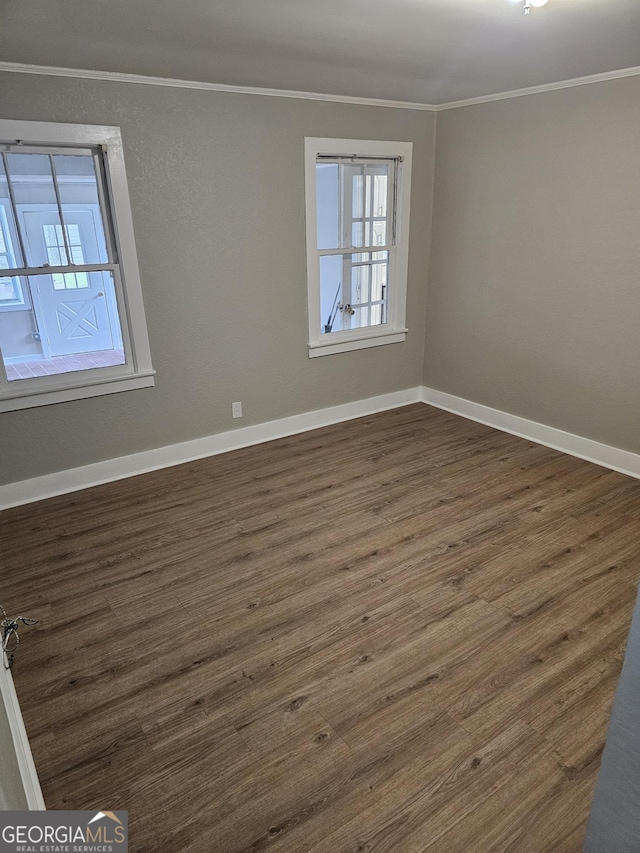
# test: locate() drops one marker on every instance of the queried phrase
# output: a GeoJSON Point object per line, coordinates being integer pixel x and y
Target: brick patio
{"type": "Point", "coordinates": [63, 364]}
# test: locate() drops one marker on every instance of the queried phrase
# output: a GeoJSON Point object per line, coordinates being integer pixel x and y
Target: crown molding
{"type": "Point", "coordinates": [546, 87]}
{"type": "Point", "coordinates": [118, 77]}
{"type": "Point", "coordinates": [175, 83]}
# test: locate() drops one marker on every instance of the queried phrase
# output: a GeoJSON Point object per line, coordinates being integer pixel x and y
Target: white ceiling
{"type": "Point", "coordinates": [426, 51]}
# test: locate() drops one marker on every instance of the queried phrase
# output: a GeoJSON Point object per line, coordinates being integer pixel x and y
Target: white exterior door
{"type": "Point", "coordinates": [73, 310]}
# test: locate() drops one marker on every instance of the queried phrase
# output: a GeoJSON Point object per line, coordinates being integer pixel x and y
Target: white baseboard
{"type": "Point", "coordinates": [22, 750]}
{"type": "Point", "coordinates": [575, 445]}
{"type": "Point", "coordinates": [73, 479]}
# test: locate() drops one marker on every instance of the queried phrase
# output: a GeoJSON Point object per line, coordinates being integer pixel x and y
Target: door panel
{"type": "Point", "coordinates": [74, 320]}
{"type": "Point", "coordinates": [75, 311]}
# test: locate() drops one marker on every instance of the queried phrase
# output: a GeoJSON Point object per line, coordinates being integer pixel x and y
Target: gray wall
{"type": "Point", "coordinates": [534, 286]}
{"type": "Point", "coordinates": [216, 184]}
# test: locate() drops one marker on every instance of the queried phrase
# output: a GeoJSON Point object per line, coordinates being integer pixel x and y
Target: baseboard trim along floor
{"type": "Point", "coordinates": [74, 479]}
{"type": "Point", "coordinates": [575, 445]}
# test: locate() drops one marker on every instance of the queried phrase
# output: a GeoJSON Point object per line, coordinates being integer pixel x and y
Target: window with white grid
{"type": "Point", "coordinates": [357, 203]}
{"type": "Point", "coordinates": [72, 321]}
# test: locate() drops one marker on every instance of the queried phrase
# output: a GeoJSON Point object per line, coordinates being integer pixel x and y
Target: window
{"type": "Point", "coordinates": [357, 200]}
{"type": "Point", "coordinates": [71, 316]}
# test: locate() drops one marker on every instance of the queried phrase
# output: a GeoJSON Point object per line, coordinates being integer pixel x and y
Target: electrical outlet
{"type": "Point", "coordinates": [236, 410]}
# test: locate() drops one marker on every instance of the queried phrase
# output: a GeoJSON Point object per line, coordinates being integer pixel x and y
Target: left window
{"type": "Point", "coordinates": [72, 321]}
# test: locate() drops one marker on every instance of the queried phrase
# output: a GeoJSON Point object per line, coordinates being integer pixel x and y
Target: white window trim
{"type": "Point", "coordinates": [394, 330]}
{"type": "Point", "coordinates": [138, 372]}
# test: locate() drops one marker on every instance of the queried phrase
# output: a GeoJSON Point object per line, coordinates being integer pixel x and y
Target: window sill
{"type": "Point", "coordinates": [346, 344]}
{"type": "Point", "coordinates": [28, 399]}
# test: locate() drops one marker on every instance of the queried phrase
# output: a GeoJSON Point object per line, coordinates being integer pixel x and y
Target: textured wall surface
{"type": "Point", "coordinates": [533, 305]}
{"type": "Point", "coordinates": [534, 286]}
{"type": "Point", "coordinates": [217, 191]}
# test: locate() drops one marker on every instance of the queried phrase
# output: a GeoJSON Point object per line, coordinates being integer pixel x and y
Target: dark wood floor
{"type": "Point", "coordinates": [401, 634]}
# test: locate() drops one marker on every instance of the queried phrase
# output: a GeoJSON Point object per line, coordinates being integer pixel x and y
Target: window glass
{"type": "Point", "coordinates": [328, 195]}
{"type": "Point", "coordinates": [82, 329]}
{"type": "Point", "coordinates": [330, 292]}
{"type": "Point", "coordinates": [31, 182]}
{"type": "Point", "coordinates": [12, 254]}
{"type": "Point", "coordinates": [352, 202]}
{"type": "Point", "coordinates": [78, 187]}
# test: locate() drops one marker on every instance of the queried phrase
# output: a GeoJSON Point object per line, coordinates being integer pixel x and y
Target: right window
{"type": "Point", "coordinates": [357, 203]}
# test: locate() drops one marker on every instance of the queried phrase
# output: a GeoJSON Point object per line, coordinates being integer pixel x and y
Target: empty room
{"type": "Point", "coordinates": [319, 419]}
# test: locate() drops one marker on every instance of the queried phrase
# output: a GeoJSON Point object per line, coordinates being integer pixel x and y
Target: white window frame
{"type": "Point", "coordinates": [394, 330]}
{"type": "Point", "coordinates": [137, 372]}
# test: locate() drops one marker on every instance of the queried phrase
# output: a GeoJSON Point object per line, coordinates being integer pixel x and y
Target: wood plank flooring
{"type": "Point", "coordinates": [402, 633]}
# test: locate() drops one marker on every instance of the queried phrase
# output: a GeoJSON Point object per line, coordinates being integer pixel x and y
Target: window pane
{"type": "Point", "coordinates": [34, 180]}
{"type": "Point", "coordinates": [79, 191]}
{"type": "Point", "coordinates": [357, 190]}
{"type": "Point", "coordinates": [367, 315]}
{"type": "Point", "coordinates": [351, 201]}
{"type": "Point", "coordinates": [376, 205]}
{"type": "Point", "coordinates": [368, 197]}
{"type": "Point", "coordinates": [353, 290]}
{"type": "Point", "coordinates": [368, 205]}
{"type": "Point", "coordinates": [380, 193]}
{"type": "Point", "coordinates": [33, 190]}
{"type": "Point", "coordinates": [330, 293]}
{"type": "Point", "coordinates": [70, 328]}
{"type": "Point", "coordinates": [379, 273]}
{"type": "Point", "coordinates": [328, 205]}
{"type": "Point", "coordinates": [379, 233]}
{"type": "Point", "coordinates": [361, 317]}
{"type": "Point", "coordinates": [10, 255]}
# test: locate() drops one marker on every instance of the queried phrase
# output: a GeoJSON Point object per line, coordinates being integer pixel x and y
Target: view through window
{"type": "Point", "coordinates": [58, 302]}
{"type": "Point", "coordinates": [355, 212]}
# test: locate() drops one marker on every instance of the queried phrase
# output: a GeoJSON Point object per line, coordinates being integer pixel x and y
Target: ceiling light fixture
{"type": "Point", "coordinates": [528, 4]}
